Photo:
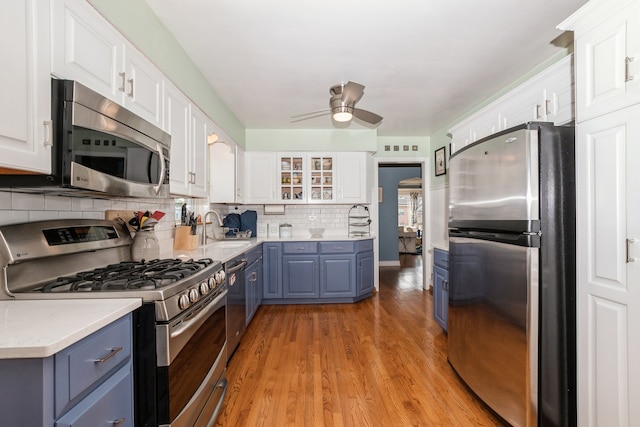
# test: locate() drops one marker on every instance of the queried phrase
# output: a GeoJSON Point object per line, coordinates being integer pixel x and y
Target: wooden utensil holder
{"type": "Point", "coordinates": [184, 240]}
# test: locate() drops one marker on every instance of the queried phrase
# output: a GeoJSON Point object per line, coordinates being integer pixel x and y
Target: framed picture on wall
{"type": "Point", "coordinates": [441, 163]}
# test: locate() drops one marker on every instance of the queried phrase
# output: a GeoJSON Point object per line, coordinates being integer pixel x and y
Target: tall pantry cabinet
{"type": "Point", "coordinates": [607, 53]}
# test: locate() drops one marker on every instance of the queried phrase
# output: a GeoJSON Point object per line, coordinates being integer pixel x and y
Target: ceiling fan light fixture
{"type": "Point", "coordinates": [340, 111]}
{"type": "Point", "coordinates": [342, 116]}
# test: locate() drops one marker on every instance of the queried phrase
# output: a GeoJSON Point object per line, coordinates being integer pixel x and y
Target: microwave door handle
{"type": "Point", "coordinates": [162, 169]}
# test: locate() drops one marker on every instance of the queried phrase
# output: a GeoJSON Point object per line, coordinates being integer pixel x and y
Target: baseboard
{"type": "Point", "coordinates": [389, 263]}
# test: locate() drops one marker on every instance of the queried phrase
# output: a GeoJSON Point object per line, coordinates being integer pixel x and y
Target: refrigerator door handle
{"type": "Point", "coordinates": [629, 243]}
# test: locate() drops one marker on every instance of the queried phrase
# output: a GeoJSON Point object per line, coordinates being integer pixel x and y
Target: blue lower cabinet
{"type": "Point", "coordinates": [300, 276]}
{"type": "Point", "coordinates": [317, 272]}
{"type": "Point", "coordinates": [337, 276]}
{"type": "Point", "coordinates": [441, 288]}
{"type": "Point", "coordinates": [365, 276]}
{"type": "Point", "coordinates": [89, 383]}
{"type": "Point", "coordinates": [272, 270]}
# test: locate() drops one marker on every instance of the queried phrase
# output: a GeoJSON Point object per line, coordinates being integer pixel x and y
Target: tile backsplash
{"type": "Point", "coordinates": [17, 207]}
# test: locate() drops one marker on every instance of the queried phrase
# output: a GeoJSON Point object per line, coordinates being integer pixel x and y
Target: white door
{"type": "Point", "coordinates": [85, 48]}
{"type": "Point", "coordinates": [354, 178]}
{"type": "Point", "coordinates": [199, 171]}
{"type": "Point", "coordinates": [144, 87]}
{"type": "Point", "coordinates": [25, 128]}
{"type": "Point", "coordinates": [222, 170]}
{"type": "Point", "coordinates": [261, 177]}
{"type": "Point", "coordinates": [178, 125]}
{"type": "Point", "coordinates": [608, 232]}
{"type": "Point", "coordinates": [608, 61]}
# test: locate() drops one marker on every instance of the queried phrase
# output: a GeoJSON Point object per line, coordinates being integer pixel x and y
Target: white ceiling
{"type": "Point", "coordinates": [424, 62]}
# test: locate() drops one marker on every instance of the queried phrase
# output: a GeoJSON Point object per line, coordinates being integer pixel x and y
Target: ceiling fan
{"type": "Point", "coordinates": [342, 105]}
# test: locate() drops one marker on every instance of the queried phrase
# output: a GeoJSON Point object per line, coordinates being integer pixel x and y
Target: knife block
{"type": "Point", "coordinates": [184, 240]}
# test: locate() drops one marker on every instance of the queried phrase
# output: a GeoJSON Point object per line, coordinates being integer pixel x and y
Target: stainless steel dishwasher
{"type": "Point", "coordinates": [236, 302]}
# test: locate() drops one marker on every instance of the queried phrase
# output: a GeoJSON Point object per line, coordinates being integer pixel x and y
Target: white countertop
{"type": "Point", "coordinates": [224, 250]}
{"type": "Point", "coordinates": [41, 328]}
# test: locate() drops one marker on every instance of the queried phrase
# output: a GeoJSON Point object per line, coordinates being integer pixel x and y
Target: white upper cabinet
{"type": "Point", "coordinates": [608, 57]}
{"type": "Point", "coordinates": [86, 48]}
{"type": "Point", "coordinates": [546, 97]}
{"type": "Point", "coordinates": [261, 177]}
{"type": "Point", "coordinates": [25, 128]}
{"type": "Point", "coordinates": [354, 177]}
{"type": "Point", "coordinates": [300, 178]}
{"type": "Point", "coordinates": [225, 172]}
{"type": "Point", "coordinates": [200, 129]}
{"type": "Point", "coordinates": [144, 87]}
{"type": "Point", "coordinates": [178, 125]}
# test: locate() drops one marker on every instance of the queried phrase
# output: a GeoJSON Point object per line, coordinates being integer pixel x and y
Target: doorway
{"type": "Point", "coordinates": [388, 175]}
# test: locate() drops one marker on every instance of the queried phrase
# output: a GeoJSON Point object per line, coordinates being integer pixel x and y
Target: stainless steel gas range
{"type": "Point", "coordinates": [179, 332]}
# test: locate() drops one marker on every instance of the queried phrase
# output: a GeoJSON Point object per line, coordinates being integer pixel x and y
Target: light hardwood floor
{"type": "Point", "coordinates": [379, 362]}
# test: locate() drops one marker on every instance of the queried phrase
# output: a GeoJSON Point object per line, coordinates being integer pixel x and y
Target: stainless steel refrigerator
{"type": "Point", "coordinates": [512, 315]}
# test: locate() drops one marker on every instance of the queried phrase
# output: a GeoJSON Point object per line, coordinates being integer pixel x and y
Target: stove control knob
{"type": "Point", "coordinates": [194, 295]}
{"type": "Point", "coordinates": [183, 301]}
{"type": "Point", "coordinates": [204, 288]}
{"type": "Point", "coordinates": [220, 276]}
{"type": "Point", "coordinates": [212, 283]}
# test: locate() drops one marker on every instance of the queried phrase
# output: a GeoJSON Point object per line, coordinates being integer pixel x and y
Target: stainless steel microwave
{"type": "Point", "coordinates": [100, 148]}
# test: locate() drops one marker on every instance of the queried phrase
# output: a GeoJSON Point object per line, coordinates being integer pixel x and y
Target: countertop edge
{"type": "Point", "coordinates": [53, 329]}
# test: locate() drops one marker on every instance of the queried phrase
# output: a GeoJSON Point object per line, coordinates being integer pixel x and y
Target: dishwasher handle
{"type": "Point", "coordinates": [237, 266]}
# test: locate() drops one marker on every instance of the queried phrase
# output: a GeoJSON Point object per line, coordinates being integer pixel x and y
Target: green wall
{"type": "Point", "coordinates": [310, 140]}
{"type": "Point", "coordinates": [137, 22]}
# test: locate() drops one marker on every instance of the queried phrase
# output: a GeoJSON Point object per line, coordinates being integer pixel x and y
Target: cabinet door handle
{"type": "Point", "coordinates": [114, 351]}
{"type": "Point", "coordinates": [629, 243]}
{"type": "Point", "coordinates": [48, 133]}
{"type": "Point", "coordinates": [627, 76]}
{"type": "Point", "coordinates": [254, 277]}
{"type": "Point", "coordinates": [537, 113]}
{"type": "Point", "coordinates": [122, 82]}
{"type": "Point", "coordinates": [445, 285]}
{"type": "Point", "coordinates": [130, 94]}
{"type": "Point", "coordinates": [118, 422]}
{"type": "Point", "coordinates": [547, 107]}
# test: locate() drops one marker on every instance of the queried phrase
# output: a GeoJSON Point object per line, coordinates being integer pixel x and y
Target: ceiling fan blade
{"type": "Point", "coordinates": [308, 116]}
{"type": "Point", "coordinates": [352, 92]}
{"type": "Point", "coordinates": [324, 110]}
{"type": "Point", "coordinates": [367, 116]}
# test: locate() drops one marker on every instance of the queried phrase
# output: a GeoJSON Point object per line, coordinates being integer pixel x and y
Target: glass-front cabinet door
{"type": "Point", "coordinates": [322, 178]}
{"type": "Point", "coordinates": [306, 178]}
{"type": "Point", "coordinates": [292, 178]}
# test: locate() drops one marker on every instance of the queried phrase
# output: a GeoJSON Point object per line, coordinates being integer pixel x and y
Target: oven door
{"type": "Point", "coordinates": [191, 353]}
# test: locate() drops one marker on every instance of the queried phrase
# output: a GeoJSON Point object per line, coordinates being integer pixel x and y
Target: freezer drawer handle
{"type": "Point", "coordinates": [627, 76]}
{"type": "Point", "coordinates": [629, 243]}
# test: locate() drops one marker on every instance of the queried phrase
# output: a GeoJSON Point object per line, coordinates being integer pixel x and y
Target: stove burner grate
{"type": "Point", "coordinates": [128, 275]}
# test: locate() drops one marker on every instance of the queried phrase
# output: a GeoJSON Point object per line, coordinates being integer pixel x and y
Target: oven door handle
{"type": "Point", "coordinates": [178, 335]}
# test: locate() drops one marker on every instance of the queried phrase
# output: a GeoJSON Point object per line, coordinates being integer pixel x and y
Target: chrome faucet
{"type": "Point", "coordinates": [204, 228]}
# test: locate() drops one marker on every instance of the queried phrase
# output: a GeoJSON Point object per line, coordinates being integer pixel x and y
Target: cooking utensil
{"type": "Point", "coordinates": [157, 215]}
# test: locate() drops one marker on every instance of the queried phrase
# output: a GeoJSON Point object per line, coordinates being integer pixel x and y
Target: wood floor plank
{"type": "Point", "coordinates": [379, 362]}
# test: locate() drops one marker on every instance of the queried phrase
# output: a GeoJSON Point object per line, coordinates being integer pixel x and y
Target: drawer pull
{"type": "Point", "coordinates": [118, 422]}
{"type": "Point", "coordinates": [109, 356]}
